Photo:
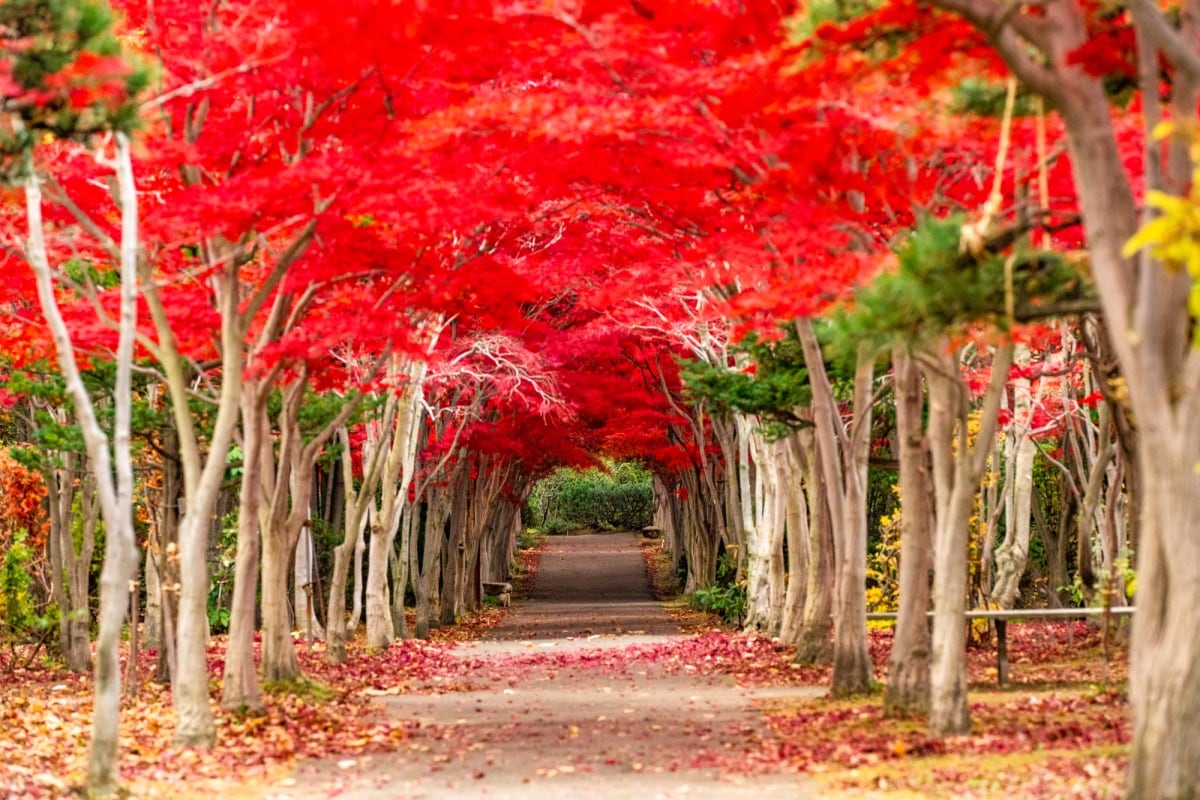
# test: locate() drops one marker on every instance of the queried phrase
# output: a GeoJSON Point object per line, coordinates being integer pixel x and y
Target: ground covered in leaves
{"type": "Point", "coordinates": [45, 716]}
{"type": "Point", "coordinates": [1059, 729]}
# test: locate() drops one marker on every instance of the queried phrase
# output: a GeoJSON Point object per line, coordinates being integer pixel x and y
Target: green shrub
{"type": "Point", "coordinates": [557, 527]}
{"type": "Point", "coordinates": [621, 498]}
{"type": "Point", "coordinates": [727, 602]}
{"type": "Point", "coordinates": [221, 574]}
{"type": "Point", "coordinates": [21, 622]}
{"type": "Point", "coordinates": [726, 597]}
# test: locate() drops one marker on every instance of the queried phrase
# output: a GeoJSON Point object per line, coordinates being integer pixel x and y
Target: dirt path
{"type": "Point", "coordinates": [574, 720]}
{"type": "Point", "coordinates": [588, 586]}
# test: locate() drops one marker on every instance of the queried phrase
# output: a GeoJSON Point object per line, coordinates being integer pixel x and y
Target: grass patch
{"type": "Point", "coordinates": [305, 688]}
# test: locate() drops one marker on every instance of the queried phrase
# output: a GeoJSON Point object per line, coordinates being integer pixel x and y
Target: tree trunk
{"type": "Point", "coordinates": [241, 690]}
{"type": "Point", "coordinates": [698, 531]}
{"type": "Point", "coordinates": [164, 556]}
{"type": "Point", "coordinates": [1012, 555]}
{"type": "Point", "coordinates": [799, 535]}
{"type": "Point", "coordinates": [949, 713]}
{"type": "Point", "coordinates": [152, 624]}
{"type": "Point", "coordinates": [113, 472]}
{"type": "Point", "coordinates": [359, 587]}
{"type": "Point", "coordinates": [842, 458]}
{"type": "Point", "coordinates": [956, 480]}
{"type": "Point", "coordinates": [853, 672]}
{"type": "Point", "coordinates": [815, 645]}
{"type": "Point", "coordinates": [763, 535]}
{"type": "Point", "coordinates": [1164, 680]}
{"type": "Point", "coordinates": [305, 585]}
{"type": "Point", "coordinates": [70, 568]}
{"type": "Point", "coordinates": [907, 691]}
{"type": "Point", "coordinates": [279, 651]}
{"type": "Point", "coordinates": [1090, 520]}
{"type": "Point", "coordinates": [380, 632]}
{"type": "Point", "coordinates": [453, 556]}
{"type": "Point", "coordinates": [423, 566]}
{"type": "Point", "coordinates": [399, 567]}
{"type": "Point", "coordinates": [335, 619]}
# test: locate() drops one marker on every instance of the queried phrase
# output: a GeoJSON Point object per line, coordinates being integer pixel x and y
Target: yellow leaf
{"type": "Point", "coordinates": [1162, 130]}
{"type": "Point", "coordinates": [1155, 232]}
{"type": "Point", "coordinates": [1169, 203]}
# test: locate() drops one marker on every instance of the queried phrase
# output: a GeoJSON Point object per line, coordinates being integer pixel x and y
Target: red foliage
{"type": "Point", "coordinates": [22, 503]}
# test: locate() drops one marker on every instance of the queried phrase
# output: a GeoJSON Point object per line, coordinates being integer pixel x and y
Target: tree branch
{"type": "Point", "coordinates": [1154, 25]}
{"type": "Point", "coordinates": [1010, 32]}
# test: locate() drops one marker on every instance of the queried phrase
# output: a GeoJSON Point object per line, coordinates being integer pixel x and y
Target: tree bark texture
{"type": "Point", "coordinates": [907, 692]}
{"type": "Point", "coordinates": [958, 466]}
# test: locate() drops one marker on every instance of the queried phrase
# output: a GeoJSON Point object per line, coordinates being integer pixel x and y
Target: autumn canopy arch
{"type": "Point", "coordinates": [384, 266]}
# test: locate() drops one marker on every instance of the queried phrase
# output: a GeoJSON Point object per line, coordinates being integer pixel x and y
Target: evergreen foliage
{"type": "Point", "coordinates": [939, 288]}
{"type": "Point", "coordinates": [63, 74]}
{"type": "Point", "coordinates": [772, 390]}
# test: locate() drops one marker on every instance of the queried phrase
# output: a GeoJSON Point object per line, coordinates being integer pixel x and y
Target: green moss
{"type": "Point", "coordinates": [302, 687]}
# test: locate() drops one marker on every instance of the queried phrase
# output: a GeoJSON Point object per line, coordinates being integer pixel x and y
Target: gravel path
{"type": "Point", "coordinates": [568, 728]}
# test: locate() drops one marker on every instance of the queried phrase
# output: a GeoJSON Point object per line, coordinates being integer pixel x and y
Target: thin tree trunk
{"type": "Point", "coordinates": [359, 504]}
{"type": "Point", "coordinates": [843, 461]}
{"type": "Point", "coordinates": [425, 573]}
{"type": "Point", "coordinates": [70, 568]}
{"type": "Point", "coordinates": [305, 583]}
{"type": "Point", "coordinates": [359, 586]}
{"type": "Point", "coordinates": [165, 554]}
{"type": "Point", "coordinates": [399, 566]}
{"type": "Point", "coordinates": [113, 473]}
{"type": "Point", "coordinates": [907, 691]}
{"type": "Point", "coordinates": [815, 645]}
{"type": "Point", "coordinates": [241, 690]}
{"type": "Point", "coordinates": [1013, 553]}
{"type": "Point", "coordinates": [956, 480]}
{"type": "Point", "coordinates": [798, 541]}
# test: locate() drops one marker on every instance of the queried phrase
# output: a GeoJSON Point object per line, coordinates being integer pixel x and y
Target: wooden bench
{"type": "Point", "coordinates": [1001, 617]}
{"type": "Point", "coordinates": [651, 532]}
{"type": "Point", "coordinates": [501, 591]}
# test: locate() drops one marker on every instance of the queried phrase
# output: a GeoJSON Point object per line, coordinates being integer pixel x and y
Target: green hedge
{"type": "Point", "coordinates": [621, 498]}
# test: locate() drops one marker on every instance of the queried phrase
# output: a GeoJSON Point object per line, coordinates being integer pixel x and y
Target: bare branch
{"type": "Point", "coordinates": [189, 89]}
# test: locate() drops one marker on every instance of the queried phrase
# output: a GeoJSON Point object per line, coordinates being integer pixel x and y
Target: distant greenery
{"type": "Point", "coordinates": [619, 498]}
